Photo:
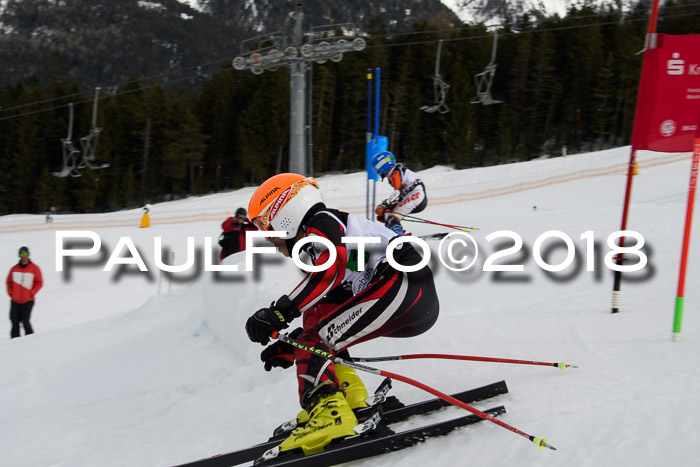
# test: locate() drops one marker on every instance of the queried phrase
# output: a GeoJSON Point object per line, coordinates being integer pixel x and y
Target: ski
{"type": "Point", "coordinates": [435, 236]}
{"type": "Point", "coordinates": [398, 413]}
{"type": "Point", "coordinates": [380, 441]}
{"type": "Point", "coordinates": [424, 407]}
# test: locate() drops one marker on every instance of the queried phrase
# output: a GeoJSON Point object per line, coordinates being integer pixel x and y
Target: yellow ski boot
{"type": "Point", "coordinates": [330, 418]}
{"type": "Point", "coordinates": [355, 390]}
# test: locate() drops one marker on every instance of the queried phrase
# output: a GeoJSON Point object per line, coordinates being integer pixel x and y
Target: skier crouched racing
{"type": "Point", "coordinates": [409, 192]}
{"type": "Point", "coordinates": [340, 307]}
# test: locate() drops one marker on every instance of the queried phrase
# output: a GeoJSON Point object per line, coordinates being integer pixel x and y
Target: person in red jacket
{"type": "Point", "coordinates": [232, 240]}
{"type": "Point", "coordinates": [23, 283]}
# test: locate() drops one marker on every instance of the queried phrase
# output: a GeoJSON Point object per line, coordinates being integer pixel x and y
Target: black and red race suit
{"type": "Point", "coordinates": [347, 304]}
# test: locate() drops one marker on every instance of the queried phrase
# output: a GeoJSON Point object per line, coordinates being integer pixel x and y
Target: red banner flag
{"type": "Point", "coordinates": [668, 102]}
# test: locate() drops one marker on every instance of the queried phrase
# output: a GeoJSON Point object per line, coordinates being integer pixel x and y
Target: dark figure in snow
{"type": "Point", "coordinates": [355, 300]}
{"type": "Point", "coordinates": [409, 192]}
{"type": "Point", "coordinates": [232, 239]}
{"type": "Point", "coordinates": [23, 283]}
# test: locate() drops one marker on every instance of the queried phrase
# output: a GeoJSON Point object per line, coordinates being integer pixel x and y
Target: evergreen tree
{"type": "Point", "coordinates": [461, 132]}
{"type": "Point", "coordinates": [44, 192]}
{"type": "Point", "coordinates": [564, 81]}
{"type": "Point", "coordinates": [25, 152]}
{"type": "Point", "coordinates": [322, 112]}
{"type": "Point", "coordinates": [184, 152]}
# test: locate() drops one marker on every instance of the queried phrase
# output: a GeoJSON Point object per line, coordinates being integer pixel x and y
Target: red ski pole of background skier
{"type": "Point", "coordinates": [409, 218]}
{"type": "Point", "coordinates": [539, 442]}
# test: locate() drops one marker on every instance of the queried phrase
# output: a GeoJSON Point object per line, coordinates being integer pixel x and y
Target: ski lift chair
{"type": "Point", "coordinates": [440, 89]}
{"type": "Point", "coordinates": [484, 80]}
{"type": "Point", "coordinates": [89, 145]}
{"type": "Point", "coordinates": [70, 153]}
{"type": "Point", "coordinates": [89, 142]}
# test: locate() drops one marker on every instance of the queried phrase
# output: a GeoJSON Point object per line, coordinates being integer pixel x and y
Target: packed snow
{"type": "Point", "coordinates": [152, 369]}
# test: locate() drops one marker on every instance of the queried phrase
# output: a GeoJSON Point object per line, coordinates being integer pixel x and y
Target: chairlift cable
{"type": "Point", "coordinates": [85, 101]}
{"type": "Point", "coordinates": [521, 33]}
{"type": "Point", "coordinates": [535, 22]}
{"type": "Point", "coordinates": [164, 75]}
{"type": "Point", "coordinates": [117, 85]}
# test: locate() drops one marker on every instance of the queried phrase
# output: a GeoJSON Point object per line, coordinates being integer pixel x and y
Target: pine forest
{"type": "Point", "coordinates": [566, 82]}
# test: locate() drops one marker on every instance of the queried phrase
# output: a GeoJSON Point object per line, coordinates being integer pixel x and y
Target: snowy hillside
{"type": "Point", "coordinates": [493, 11]}
{"type": "Point", "coordinates": [472, 11]}
{"type": "Point", "coordinates": [119, 374]}
{"type": "Point", "coordinates": [199, 5]}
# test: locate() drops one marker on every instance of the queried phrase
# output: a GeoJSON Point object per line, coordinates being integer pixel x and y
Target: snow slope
{"type": "Point", "coordinates": [118, 374]}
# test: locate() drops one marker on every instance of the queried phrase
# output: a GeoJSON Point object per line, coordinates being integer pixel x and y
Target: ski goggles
{"type": "Point", "coordinates": [23, 254]}
{"type": "Point", "coordinates": [257, 222]}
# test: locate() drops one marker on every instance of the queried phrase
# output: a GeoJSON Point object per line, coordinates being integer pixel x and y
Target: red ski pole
{"type": "Point", "coordinates": [562, 365]}
{"type": "Point", "coordinates": [541, 443]}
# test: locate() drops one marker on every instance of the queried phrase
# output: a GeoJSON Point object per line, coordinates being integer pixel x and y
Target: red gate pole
{"type": "Point", "coordinates": [625, 212]}
{"type": "Point", "coordinates": [648, 43]}
{"type": "Point", "coordinates": [678, 313]}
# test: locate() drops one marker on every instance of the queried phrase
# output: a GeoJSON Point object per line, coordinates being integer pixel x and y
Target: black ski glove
{"type": "Point", "coordinates": [280, 354]}
{"type": "Point", "coordinates": [267, 320]}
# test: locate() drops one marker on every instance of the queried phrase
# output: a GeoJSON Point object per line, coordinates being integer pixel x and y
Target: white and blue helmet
{"type": "Point", "coordinates": [383, 162]}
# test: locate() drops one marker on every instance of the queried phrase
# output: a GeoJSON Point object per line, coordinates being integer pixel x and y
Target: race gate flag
{"type": "Point", "coordinates": [669, 95]}
{"type": "Point", "coordinates": [374, 146]}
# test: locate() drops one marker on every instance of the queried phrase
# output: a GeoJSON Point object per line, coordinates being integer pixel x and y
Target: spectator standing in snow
{"type": "Point", "coordinates": [232, 240]}
{"type": "Point", "coordinates": [23, 283]}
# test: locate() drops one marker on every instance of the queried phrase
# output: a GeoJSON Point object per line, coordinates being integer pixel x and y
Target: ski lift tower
{"type": "Point", "coordinates": [270, 51]}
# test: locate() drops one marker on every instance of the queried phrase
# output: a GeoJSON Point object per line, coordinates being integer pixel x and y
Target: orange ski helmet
{"type": "Point", "coordinates": [282, 201]}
